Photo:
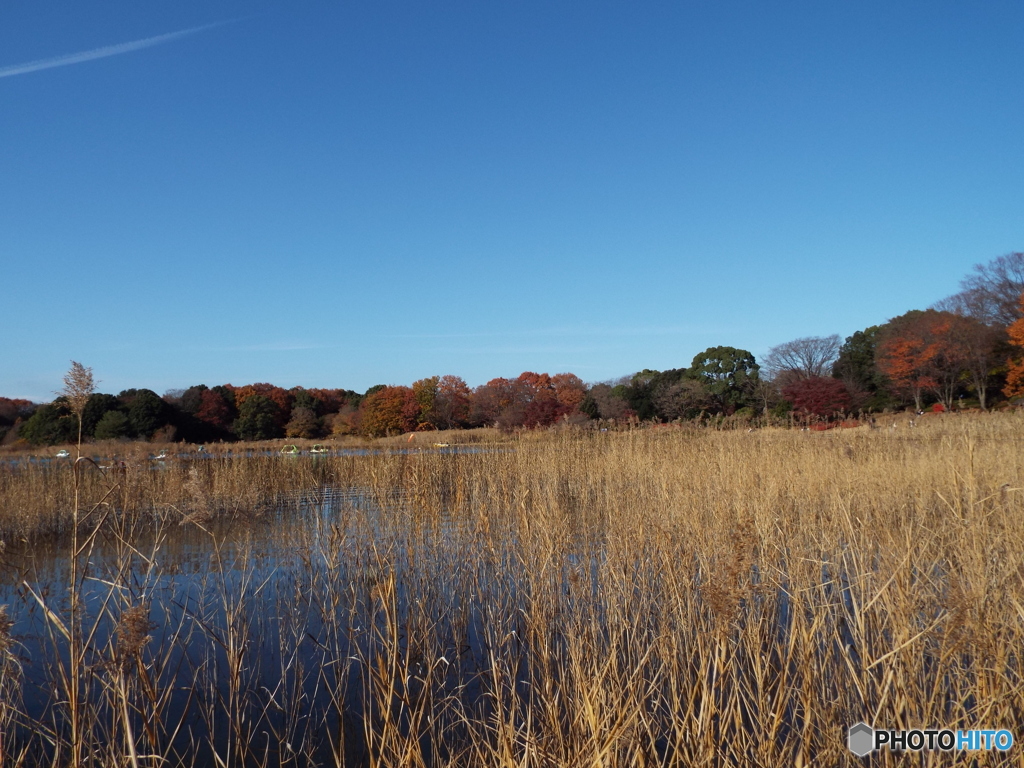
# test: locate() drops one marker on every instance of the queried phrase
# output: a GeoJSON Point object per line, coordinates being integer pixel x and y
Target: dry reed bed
{"type": "Point", "coordinates": [644, 598]}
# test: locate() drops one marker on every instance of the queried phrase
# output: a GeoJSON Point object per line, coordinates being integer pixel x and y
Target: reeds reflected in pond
{"type": "Point", "coordinates": [648, 598]}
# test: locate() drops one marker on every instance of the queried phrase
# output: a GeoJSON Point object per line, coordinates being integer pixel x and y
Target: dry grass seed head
{"type": "Point", "coordinates": [6, 625]}
{"type": "Point", "coordinates": [725, 588]}
{"type": "Point", "coordinates": [78, 387]}
{"type": "Point", "coordinates": [200, 502]}
{"type": "Point", "coordinates": [133, 630]}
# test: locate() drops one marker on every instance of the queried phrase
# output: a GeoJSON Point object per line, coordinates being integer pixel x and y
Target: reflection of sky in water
{"type": "Point", "coordinates": [304, 585]}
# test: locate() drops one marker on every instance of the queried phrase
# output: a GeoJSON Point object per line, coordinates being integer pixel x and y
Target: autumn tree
{"type": "Point", "coordinates": [530, 400]}
{"type": "Point", "coordinates": [389, 411]}
{"type": "Point", "coordinates": [12, 409]}
{"type": "Point", "coordinates": [497, 399]}
{"type": "Point", "coordinates": [821, 396]}
{"type": "Point", "coordinates": [13, 412]}
{"type": "Point", "coordinates": [937, 351]}
{"type": "Point", "coordinates": [451, 404]}
{"type": "Point", "coordinates": [346, 421]}
{"type": "Point", "coordinates": [304, 423]}
{"type": "Point", "coordinates": [1015, 375]}
{"type": "Point", "coordinates": [333, 400]}
{"type": "Point", "coordinates": [905, 354]}
{"type": "Point", "coordinates": [542, 406]}
{"type": "Point", "coordinates": [549, 398]}
{"type": "Point", "coordinates": [215, 409]}
{"type": "Point", "coordinates": [569, 391]}
{"type": "Point", "coordinates": [979, 350]}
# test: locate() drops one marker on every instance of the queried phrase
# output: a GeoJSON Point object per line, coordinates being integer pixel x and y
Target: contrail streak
{"type": "Point", "coordinates": [100, 53]}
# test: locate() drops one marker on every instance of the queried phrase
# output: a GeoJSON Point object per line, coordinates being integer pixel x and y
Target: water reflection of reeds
{"type": "Point", "coordinates": [722, 599]}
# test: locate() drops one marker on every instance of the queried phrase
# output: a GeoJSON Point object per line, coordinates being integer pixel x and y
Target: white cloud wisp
{"type": "Point", "coordinates": [101, 53]}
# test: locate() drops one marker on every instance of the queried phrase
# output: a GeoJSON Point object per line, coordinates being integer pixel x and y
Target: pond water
{"type": "Point", "coordinates": [275, 638]}
{"type": "Point", "coordinates": [156, 460]}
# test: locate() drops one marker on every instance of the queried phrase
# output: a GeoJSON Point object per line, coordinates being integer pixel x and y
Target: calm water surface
{"type": "Point", "coordinates": [277, 619]}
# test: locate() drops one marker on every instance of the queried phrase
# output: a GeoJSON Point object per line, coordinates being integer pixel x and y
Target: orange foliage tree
{"type": "Point", "coordinates": [1015, 374]}
{"type": "Point", "coordinates": [569, 391]}
{"type": "Point", "coordinates": [906, 353]}
{"type": "Point", "coordinates": [938, 351]}
{"type": "Point", "coordinates": [389, 411]}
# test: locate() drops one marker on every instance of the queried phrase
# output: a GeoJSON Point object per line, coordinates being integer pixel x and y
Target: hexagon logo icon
{"type": "Point", "coordinates": [861, 739]}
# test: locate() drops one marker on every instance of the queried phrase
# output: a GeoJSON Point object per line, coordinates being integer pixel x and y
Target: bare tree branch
{"type": "Point", "coordinates": [803, 358]}
{"type": "Point", "coordinates": [991, 293]}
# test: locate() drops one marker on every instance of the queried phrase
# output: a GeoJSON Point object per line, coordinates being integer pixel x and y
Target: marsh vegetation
{"type": "Point", "coordinates": [670, 597]}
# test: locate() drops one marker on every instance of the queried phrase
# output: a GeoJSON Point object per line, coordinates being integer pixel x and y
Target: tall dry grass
{"type": "Point", "coordinates": [671, 597]}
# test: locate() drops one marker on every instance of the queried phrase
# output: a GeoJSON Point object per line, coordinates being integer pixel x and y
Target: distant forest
{"type": "Point", "coordinates": [966, 351]}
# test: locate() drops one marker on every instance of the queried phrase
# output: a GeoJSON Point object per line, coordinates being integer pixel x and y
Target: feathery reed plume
{"type": "Point", "coordinates": [133, 631]}
{"type": "Point", "coordinates": [78, 388]}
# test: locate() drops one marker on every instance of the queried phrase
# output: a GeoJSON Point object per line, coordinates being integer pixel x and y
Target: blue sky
{"type": "Point", "coordinates": [346, 194]}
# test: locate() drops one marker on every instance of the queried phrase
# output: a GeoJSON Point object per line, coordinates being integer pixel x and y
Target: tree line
{"type": "Point", "coordinates": [965, 351]}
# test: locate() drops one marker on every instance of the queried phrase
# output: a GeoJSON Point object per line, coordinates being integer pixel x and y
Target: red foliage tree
{"type": "Point", "coordinates": [451, 406]}
{"type": "Point", "coordinates": [214, 409]}
{"type": "Point", "coordinates": [818, 395]}
{"type": "Point", "coordinates": [541, 407]}
{"type": "Point", "coordinates": [530, 400]}
{"type": "Point", "coordinates": [498, 399]}
{"type": "Point", "coordinates": [11, 409]}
